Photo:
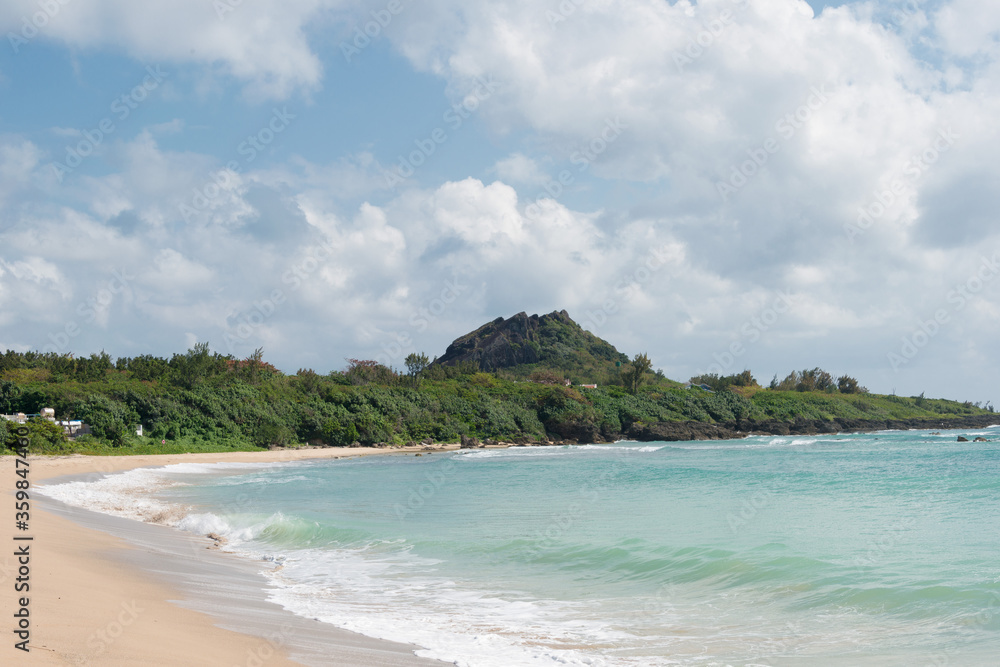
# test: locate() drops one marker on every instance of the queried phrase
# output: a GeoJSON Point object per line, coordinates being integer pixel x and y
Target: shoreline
{"type": "Point", "coordinates": [101, 590]}
{"type": "Point", "coordinates": [735, 430]}
{"type": "Point", "coordinates": [99, 597]}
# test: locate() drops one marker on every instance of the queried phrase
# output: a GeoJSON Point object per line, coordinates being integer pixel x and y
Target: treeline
{"type": "Point", "coordinates": [204, 400]}
{"type": "Point", "coordinates": [815, 379]}
{"type": "Point", "coordinates": [202, 397]}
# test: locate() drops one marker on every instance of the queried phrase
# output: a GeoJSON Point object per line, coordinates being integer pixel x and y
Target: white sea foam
{"type": "Point", "coordinates": [129, 494]}
{"type": "Point", "coordinates": [243, 480]}
{"type": "Point", "coordinates": [520, 452]}
{"type": "Point", "coordinates": [124, 494]}
{"type": "Point", "coordinates": [620, 448]}
{"type": "Point", "coordinates": [754, 442]}
{"type": "Point", "coordinates": [550, 451]}
{"type": "Point", "coordinates": [393, 598]}
{"type": "Point", "coordinates": [236, 530]}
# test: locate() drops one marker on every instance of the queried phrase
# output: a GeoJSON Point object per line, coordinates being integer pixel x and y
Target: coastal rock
{"type": "Point", "coordinates": [578, 431]}
{"type": "Point", "coordinates": [980, 439]}
{"type": "Point", "coordinates": [469, 443]}
{"type": "Point", "coordinates": [217, 539]}
{"type": "Point", "coordinates": [688, 430]}
{"type": "Point", "coordinates": [962, 439]}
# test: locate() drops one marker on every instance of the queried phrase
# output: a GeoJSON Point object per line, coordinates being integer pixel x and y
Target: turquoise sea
{"type": "Point", "coordinates": [862, 549]}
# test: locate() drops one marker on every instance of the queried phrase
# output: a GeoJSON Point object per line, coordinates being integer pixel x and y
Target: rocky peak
{"type": "Point", "coordinates": [553, 340]}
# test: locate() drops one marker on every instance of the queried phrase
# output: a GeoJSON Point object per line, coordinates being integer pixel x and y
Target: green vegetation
{"type": "Point", "coordinates": [517, 347]}
{"type": "Point", "coordinates": [204, 401]}
{"type": "Point", "coordinates": [636, 374]}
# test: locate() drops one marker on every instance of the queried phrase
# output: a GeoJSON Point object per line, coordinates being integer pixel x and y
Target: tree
{"type": "Point", "coordinates": [721, 383]}
{"type": "Point", "coordinates": [367, 371]}
{"type": "Point", "coordinates": [416, 364]}
{"type": "Point", "coordinates": [251, 366]}
{"type": "Point", "coordinates": [636, 374]}
{"type": "Point", "coordinates": [709, 379]}
{"type": "Point", "coordinates": [144, 367]}
{"type": "Point", "coordinates": [309, 380]}
{"type": "Point", "coordinates": [745, 379]}
{"type": "Point", "coordinates": [341, 431]}
{"type": "Point", "coordinates": [10, 395]}
{"type": "Point", "coordinates": [109, 419]}
{"type": "Point", "coordinates": [192, 368]}
{"type": "Point", "coordinates": [545, 376]}
{"type": "Point", "coordinates": [790, 383]}
{"type": "Point", "coordinates": [43, 435]}
{"type": "Point", "coordinates": [847, 385]}
{"type": "Point", "coordinates": [270, 432]}
{"type": "Point", "coordinates": [814, 380]}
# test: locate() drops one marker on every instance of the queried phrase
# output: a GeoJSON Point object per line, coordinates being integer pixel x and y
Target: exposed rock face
{"type": "Point", "coordinates": [962, 439]}
{"type": "Point", "coordinates": [525, 339]}
{"type": "Point", "coordinates": [469, 443]}
{"type": "Point", "coordinates": [980, 439]}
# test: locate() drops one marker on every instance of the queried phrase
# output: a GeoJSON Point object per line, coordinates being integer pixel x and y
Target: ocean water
{"type": "Point", "coordinates": [861, 549]}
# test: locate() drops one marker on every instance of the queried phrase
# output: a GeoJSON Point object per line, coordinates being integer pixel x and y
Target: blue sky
{"type": "Point", "coordinates": [770, 185]}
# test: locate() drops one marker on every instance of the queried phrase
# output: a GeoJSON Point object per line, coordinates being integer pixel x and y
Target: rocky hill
{"type": "Point", "coordinates": [524, 343]}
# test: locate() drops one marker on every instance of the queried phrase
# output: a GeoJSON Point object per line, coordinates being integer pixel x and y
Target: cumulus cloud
{"type": "Point", "coordinates": [809, 188]}
{"type": "Point", "coordinates": [836, 153]}
{"type": "Point", "coordinates": [520, 169]}
{"type": "Point", "coordinates": [262, 43]}
{"type": "Point", "coordinates": [969, 27]}
{"type": "Point", "coordinates": [18, 160]}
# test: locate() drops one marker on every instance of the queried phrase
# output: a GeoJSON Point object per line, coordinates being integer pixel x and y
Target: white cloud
{"type": "Point", "coordinates": [969, 27]}
{"type": "Point", "coordinates": [519, 169]}
{"type": "Point", "coordinates": [262, 43]}
{"type": "Point", "coordinates": [843, 110]}
{"type": "Point", "coordinates": [18, 160]}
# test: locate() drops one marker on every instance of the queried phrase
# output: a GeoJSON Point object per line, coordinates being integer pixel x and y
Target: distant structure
{"type": "Point", "coordinates": [589, 386]}
{"type": "Point", "coordinates": [700, 386]}
{"type": "Point", "coordinates": [71, 427]}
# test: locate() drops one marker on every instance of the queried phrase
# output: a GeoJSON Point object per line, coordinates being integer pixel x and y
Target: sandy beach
{"type": "Point", "coordinates": [92, 602]}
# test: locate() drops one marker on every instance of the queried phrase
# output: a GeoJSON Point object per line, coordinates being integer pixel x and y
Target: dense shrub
{"type": "Point", "coordinates": [200, 397]}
